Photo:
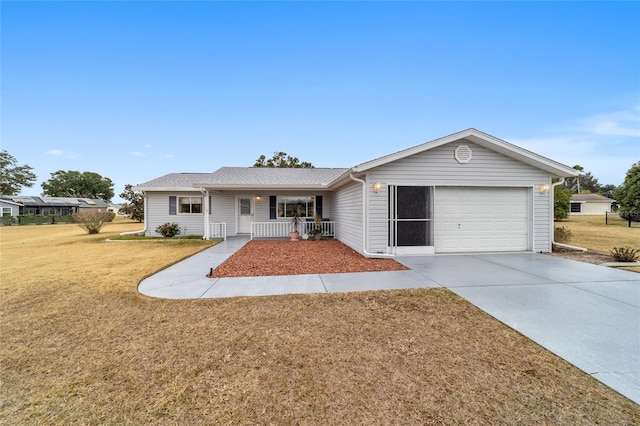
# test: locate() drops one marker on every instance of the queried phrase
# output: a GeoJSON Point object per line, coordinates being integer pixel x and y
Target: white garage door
{"type": "Point", "coordinates": [481, 219]}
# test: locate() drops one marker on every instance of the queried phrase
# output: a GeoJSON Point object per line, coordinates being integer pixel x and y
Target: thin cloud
{"type": "Point", "coordinates": [147, 146]}
{"type": "Point", "coordinates": [618, 123]}
{"type": "Point", "coordinates": [56, 152]}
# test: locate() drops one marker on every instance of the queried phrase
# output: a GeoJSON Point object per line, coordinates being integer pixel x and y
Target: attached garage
{"type": "Point", "coordinates": [480, 219]}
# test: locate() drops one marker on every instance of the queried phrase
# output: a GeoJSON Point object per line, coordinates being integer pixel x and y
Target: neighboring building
{"type": "Point", "coordinates": [10, 208]}
{"type": "Point", "coordinates": [112, 207]}
{"type": "Point", "coordinates": [590, 204]}
{"type": "Point", "coordinates": [59, 206]}
{"type": "Point", "coordinates": [467, 192]}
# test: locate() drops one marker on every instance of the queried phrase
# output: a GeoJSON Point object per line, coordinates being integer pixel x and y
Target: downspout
{"type": "Point", "coordinates": [364, 222]}
{"type": "Point", "coordinates": [553, 242]}
{"type": "Point", "coordinates": [144, 231]}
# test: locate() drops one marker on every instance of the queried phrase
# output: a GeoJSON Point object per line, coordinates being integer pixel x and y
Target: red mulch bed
{"type": "Point", "coordinates": [278, 257]}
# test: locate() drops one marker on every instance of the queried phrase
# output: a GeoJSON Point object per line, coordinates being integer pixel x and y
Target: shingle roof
{"type": "Point", "coordinates": [591, 198]}
{"type": "Point", "coordinates": [173, 181]}
{"type": "Point", "coordinates": [270, 177]}
{"type": "Point", "coordinates": [249, 177]}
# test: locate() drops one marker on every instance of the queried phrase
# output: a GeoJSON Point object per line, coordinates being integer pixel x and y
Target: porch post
{"type": "Point", "coordinates": [207, 212]}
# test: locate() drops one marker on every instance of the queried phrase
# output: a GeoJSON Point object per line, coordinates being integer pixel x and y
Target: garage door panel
{"type": "Point", "coordinates": [481, 219]}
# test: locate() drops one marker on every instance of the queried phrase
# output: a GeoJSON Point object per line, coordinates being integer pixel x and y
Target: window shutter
{"type": "Point", "coordinates": [273, 207]}
{"type": "Point", "coordinates": [209, 206]}
{"type": "Point", "coordinates": [319, 205]}
{"type": "Point", "coordinates": [172, 205]}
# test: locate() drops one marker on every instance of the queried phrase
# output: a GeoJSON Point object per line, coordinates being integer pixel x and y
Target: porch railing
{"type": "Point", "coordinates": [282, 229]}
{"type": "Point", "coordinates": [218, 230]}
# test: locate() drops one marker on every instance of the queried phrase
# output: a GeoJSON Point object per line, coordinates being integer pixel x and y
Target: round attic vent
{"type": "Point", "coordinates": [463, 154]}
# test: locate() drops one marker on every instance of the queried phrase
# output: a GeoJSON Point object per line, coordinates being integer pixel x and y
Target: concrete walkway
{"type": "Point", "coordinates": [587, 314]}
{"type": "Point", "coordinates": [187, 279]}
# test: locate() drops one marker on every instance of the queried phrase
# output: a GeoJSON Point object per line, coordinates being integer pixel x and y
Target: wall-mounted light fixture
{"type": "Point", "coordinates": [376, 187]}
{"type": "Point", "coordinates": [258, 198]}
{"type": "Point", "coordinates": [543, 189]}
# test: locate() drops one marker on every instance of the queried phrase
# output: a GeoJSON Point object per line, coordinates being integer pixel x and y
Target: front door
{"type": "Point", "coordinates": [245, 215]}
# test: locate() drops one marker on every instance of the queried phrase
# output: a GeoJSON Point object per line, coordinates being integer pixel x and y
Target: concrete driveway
{"type": "Point", "coordinates": [587, 314]}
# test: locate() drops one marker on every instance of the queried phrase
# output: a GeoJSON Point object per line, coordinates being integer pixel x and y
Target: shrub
{"type": "Point", "coordinates": [635, 215]}
{"type": "Point", "coordinates": [168, 230]}
{"type": "Point", "coordinates": [8, 220]}
{"type": "Point", "coordinates": [625, 254]}
{"type": "Point", "coordinates": [92, 222]}
{"type": "Point", "coordinates": [112, 215]}
{"type": "Point", "coordinates": [562, 234]}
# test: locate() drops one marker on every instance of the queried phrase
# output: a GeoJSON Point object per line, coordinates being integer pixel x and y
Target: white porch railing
{"type": "Point", "coordinates": [218, 230]}
{"type": "Point", "coordinates": [282, 229]}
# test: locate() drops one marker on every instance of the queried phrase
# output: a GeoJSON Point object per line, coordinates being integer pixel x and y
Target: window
{"type": "Point", "coordinates": [576, 207]}
{"type": "Point", "coordinates": [305, 205]}
{"type": "Point", "coordinates": [6, 211]}
{"type": "Point", "coordinates": [190, 205]}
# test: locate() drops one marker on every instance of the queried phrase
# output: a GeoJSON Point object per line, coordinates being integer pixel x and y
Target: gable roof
{"type": "Point", "coordinates": [482, 139]}
{"type": "Point", "coordinates": [246, 178]}
{"type": "Point", "coordinates": [591, 198]}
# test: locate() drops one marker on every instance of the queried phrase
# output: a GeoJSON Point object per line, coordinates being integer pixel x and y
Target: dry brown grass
{"type": "Point", "coordinates": [592, 233]}
{"type": "Point", "coordinates": [81, 346]}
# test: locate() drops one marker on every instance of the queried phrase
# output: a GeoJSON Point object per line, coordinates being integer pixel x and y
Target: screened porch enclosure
{"type": "Point", "coordinates": [410, 219]}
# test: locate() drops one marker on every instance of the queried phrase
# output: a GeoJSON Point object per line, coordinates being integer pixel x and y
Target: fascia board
{"type": "Point", "coordinates": [259, 187]}
{"type": "Point", "coordinates": [163, 189]}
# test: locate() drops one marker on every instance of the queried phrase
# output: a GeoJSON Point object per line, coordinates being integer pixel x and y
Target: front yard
{"type": "Point", "coordinates": [79, 345]}
{"type": "Point", "coordinates": [592, 233]}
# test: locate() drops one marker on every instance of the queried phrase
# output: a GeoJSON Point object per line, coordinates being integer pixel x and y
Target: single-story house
{"type": "Point", "coordinates": [590, 204]}
{"type": "Point", "coordinates": [59, 206]}
{"type": "Point", "coordinates": [466, 192]}
{"type": "Point", "coordinates": [10, 208]}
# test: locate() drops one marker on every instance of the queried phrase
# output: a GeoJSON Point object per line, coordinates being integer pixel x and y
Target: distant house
{"type": "Point", "coordinates": [48, 206]}
{"type": "Point", "coordinates": [466, 192]}
{"type": "Point", "coordinates": [115, 208]}
{"type": "Point", "coordinates": [590, 204]}
{"type": "Point", "coordinates": [10, 208]}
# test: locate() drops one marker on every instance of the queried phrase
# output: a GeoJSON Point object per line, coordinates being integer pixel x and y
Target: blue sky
{"type": "Point", "coordinates": [135, 90]}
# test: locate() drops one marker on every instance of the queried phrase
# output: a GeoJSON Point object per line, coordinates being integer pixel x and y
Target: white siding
{"type": "Point", "coordinates": [438, 167]}
{"type": "Point", "coordinates": [346, 211]}
{"type": "Point", "coordinates": [587, 208]}
{"type": "Point", "coordinates": [158, 214]}
{"type": "Point", "coordinates": [223, 209]}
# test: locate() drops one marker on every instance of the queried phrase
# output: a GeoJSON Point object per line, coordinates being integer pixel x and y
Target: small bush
{"type": "Point", "coordinates": [635, 215]}
{"type": "Point", "coordinates": [8, 220]}
{"type": "Point", "coordinates": [112, 215]}
{"type": "Point", "coordinates": [168, 230]}
{"type": "Point", "coordinates": [562, 234]}
{"type": "Point", "coordinates": [625, 254]}
{"type": "Point", "coordinates": [92, 222]}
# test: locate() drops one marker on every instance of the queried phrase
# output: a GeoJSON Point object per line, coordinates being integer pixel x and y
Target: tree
{"type": "Point", "coordinates": [585, 183]}
{"type": "Point", "coordinates": [627, 195]}
{"type": "Point", "coordinates": [607, 190]}
{"type": "Point", "coordinates": [135, 207]}
{"type": "Point", "coordinates": [561, 202]}
{"type": "Point", "coordinates": [12, 176]}
{"type": "Point", "coordinates": [76, 184]}
{"type": "Point", "coordinates": [281, 160]}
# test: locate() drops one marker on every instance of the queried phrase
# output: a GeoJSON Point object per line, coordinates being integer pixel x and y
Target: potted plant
{"type": "Point", "coordinates": [295, 221]}
{"type": "Point", "coordinates": [316, 232]}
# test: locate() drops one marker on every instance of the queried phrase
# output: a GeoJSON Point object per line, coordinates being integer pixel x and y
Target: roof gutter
{"type": "Point", "coordinates": [553, 242]}
{"type": "Point", "coordinates": [364, 221]}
